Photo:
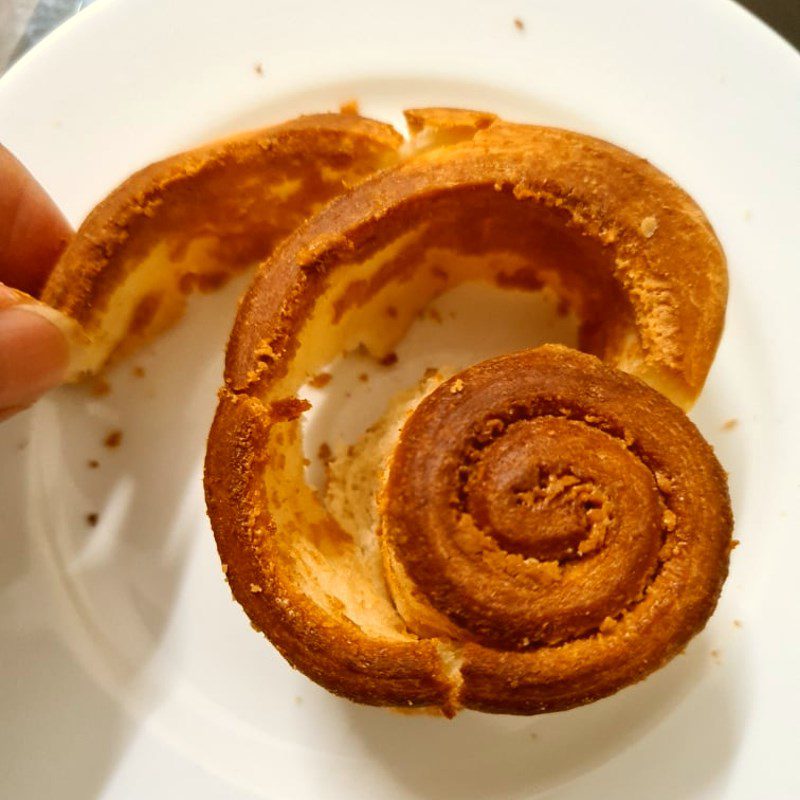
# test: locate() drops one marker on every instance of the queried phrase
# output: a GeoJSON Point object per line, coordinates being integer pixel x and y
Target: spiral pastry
{"type": "Point", "coordinates": [541, 529]}
{"type": "Point", "coordinates": [529, 535]}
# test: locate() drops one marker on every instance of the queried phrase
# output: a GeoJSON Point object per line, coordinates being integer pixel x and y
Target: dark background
{"type": "Point", "coordinates": [782, 15]}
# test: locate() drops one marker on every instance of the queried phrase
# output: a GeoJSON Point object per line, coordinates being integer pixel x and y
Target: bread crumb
{"type": "Point", "coordinates": [737, 623]}
{"type": "Point", "coordinates": [100, 387]}
{"type": "Point", "coordinates": [224, 569]}
{"type": "Point", "coordinates": [458, 386]}
{"type": "Point", "coordinates": [264, 353]}
{"type": "Point", "coordinates": [349, 107]}
{"type": "Point", "coordinates": [608, 625]}
{"type": "Point", "coordinates": [298, 700]}
{"type": "Point", "coordinates": [255, 588]}
{"type": "Point", "coordinates": [258, 68]}
{"type": "Point", "coordinates": [717, 656]}
{"type": "Point", "coordinates": [434, 314]}
{"type": "Point", "coordinates": [320, 380]}
{"type": "Point", "coordinates": [664, 483]}
{"type": "Point", "coordinates": [519, 24]}
{"type": "Point", "coordinates": [288, 409]}
{"type": "Point", "coordinates": [91, 519]}
{"type": "Point", "coordinates": [670, 520]}
{"type": "Point", "coordinates": [390, 359]}
{"type": "Point", "coordinates": [22, 445]}
{"type": "Point", "coordinates": [93, 463]}
{"type": "Point", "coordinates": [363, 377]}
{"type": "Point", "coordinates": [534, 735]}
{"type": "Point", "coordinates": [138, 372]}
{"type": "Point", "coordinates": [113, 439]}
{"type": "Point", "coordinates": [648, 226]}
{"type": "Point", "coordinates": [734, 544]}
{"type": "Point", "coordinates": [730, 424]}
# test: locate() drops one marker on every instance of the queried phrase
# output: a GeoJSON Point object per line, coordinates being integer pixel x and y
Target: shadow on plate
{"type": "Point", "coordinates": [92, 598]}
{"type": "Point", "coordinates": [482, 757]}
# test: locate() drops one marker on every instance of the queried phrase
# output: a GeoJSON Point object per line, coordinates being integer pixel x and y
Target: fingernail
{"type": "Point", "coordinates": [33, 356]}
{"type": "Point", "coordinates": [8, 296]}
{"type": "Point", "coordinates": [14, 297]}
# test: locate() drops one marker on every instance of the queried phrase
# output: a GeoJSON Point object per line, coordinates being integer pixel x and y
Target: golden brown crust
{"type": "Point", "coordinates": [569, 523]}
{"type": "Point", "coordinates": [334, 653]}
{"type": "Point", "coordinates": [518, 635]}
{"type": "Point", "coordinates": [633, 545]}
{"type": "Point", "coordinates": [437, 127]}
{"type": "Point", "coordinates": [622, 245]}
{"type": "Point", "coordinates": [439, 119]}
{"type": "Point", "coordinates": [201, 216]}
{"type": "Point", "coordinates": [627, 248]}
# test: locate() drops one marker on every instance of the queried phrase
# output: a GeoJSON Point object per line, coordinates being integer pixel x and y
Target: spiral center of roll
{"type": "Point", "coordinates": [524, 493]}
{"type": "Point", "coordinates": [515, 512]}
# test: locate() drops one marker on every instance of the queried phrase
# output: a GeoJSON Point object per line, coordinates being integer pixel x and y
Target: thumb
{"type": "Point", "coordinates": [34, 353]}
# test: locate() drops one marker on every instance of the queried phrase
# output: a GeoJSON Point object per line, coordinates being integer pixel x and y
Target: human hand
{"type": "Point", "coordinates": [33, 233]}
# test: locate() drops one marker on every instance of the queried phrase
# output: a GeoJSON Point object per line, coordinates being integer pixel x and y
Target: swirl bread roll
{"type": "Point", "coordinates": [547, 528]}
{"type": "Point", "coordinates": [541, 530]}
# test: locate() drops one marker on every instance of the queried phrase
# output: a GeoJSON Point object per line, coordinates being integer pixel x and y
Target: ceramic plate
{"type": "Point", "coordinates": [126, 671]}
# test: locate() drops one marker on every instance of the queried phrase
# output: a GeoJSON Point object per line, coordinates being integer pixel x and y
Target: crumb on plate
{"type": "Point", "coordinates": [320, 380]}
{"type": "Point", "coordinates": [349, 107]}
{"type": "Point", "coordinates": [113, 439]}
{"type": "Point", "coordinates": [99, 387]}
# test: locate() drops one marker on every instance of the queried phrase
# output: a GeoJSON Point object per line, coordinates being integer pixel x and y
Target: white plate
{"type": "Point", "coordinates": [125, 669]}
